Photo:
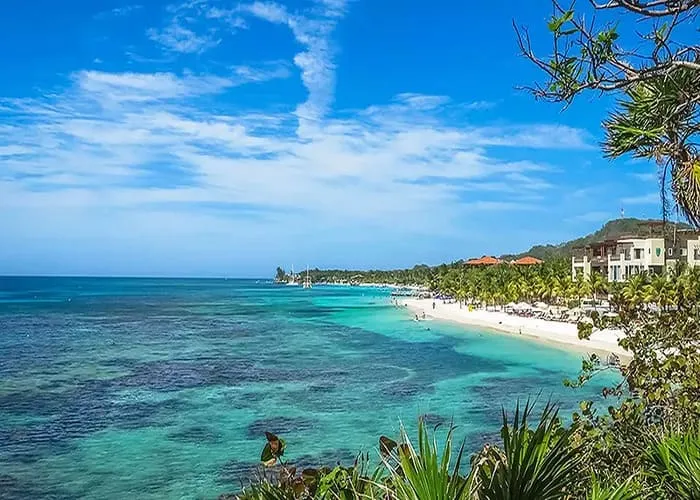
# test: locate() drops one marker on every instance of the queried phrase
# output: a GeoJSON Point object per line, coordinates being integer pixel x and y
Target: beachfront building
{"type": "Point", "coordinates": [527, 261]}
{"type": "Point", "coordinates": [486, 260]}
{"type": "Point", "coordinates": [621, 258]}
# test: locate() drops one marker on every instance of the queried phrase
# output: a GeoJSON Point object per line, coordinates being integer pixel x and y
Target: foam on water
{"type": "Point", "coordinates": [163, 388]}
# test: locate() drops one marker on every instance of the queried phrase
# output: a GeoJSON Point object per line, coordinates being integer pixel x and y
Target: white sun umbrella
{"type": "Point", "coordinates": [524, 305]}
{"type": "Point", "coordinates": [511, 305]}
{"type": "Point", "coordinates": [541, 305]}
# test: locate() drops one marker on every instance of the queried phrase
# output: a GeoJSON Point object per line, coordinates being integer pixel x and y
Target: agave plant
{"type": "Point", "coordinates": [539, 464]}
{"type": "Point", "coordinates": [624, 491]}
{"type": "Point", "coordinates": [673, 463]}
{"type": "Point", "coordinates": [425, 473]}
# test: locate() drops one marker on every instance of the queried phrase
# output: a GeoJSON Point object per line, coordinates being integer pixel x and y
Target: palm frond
{"type": "Point", "coordinates": [426, 473]}
{"type": "Point", "coordinates": [534, 464]}
{"type": "Point", "coordinates": [674, 464]}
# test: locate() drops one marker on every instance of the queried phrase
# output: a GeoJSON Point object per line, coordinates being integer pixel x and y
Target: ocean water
{"type": "Point", "coordinates": [163, 388]}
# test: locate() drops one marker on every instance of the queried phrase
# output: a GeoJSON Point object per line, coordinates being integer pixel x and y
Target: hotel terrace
{"type": "Point", "coordinates": [621, 258]}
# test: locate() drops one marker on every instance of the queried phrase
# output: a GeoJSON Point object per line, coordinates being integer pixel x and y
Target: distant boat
{"type": "Point", "coordinates": [292, 281]}
{"type": "Point", "coordinates": [307, 280]}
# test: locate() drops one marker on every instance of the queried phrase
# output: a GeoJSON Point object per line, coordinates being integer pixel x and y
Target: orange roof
{"type": "Point", "coordinates": [527, 261]}
{"type": "Point", "coordinates": [486, 260]}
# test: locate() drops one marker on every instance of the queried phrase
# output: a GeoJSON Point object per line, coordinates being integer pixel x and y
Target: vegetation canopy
{"type": "Point", "coordinates": [646, 53]}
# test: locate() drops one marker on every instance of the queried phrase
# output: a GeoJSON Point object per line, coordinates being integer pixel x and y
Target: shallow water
{"type": "Point", "coordinates": [163, 388]}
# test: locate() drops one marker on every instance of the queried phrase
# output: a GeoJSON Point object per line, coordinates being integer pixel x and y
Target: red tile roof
{"type": "Point", "coordinates": [527, 261]}
{"type": "Point", "coordinates": [486, 260]}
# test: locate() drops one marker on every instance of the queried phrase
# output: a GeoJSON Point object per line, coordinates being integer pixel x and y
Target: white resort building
{"type": "Point", "coordinates": [622, 258]}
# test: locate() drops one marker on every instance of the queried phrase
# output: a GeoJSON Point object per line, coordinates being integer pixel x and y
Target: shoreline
{"type": "Point", "coordinates": [549, 332]}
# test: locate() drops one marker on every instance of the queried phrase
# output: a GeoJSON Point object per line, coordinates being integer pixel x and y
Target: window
{"type": "Point", "coordinates": [649, 251]}
{"type": "Point", "coordinates": [684, 252]}
{"type": "Point", "coordinates": [638, 253]}
{"type": "Point", "coordinates": [670, 252]}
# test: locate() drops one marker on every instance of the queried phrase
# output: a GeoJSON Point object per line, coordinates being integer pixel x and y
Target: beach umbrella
{"type": "Point", "coordinates": [541, 305]}
{"type": "Point", "coordinates": [576, 311]}
{"type": "Point", "coordinates": [524, 305]}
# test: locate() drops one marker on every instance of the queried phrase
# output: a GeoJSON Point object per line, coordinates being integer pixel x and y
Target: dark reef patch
{"type": "Point", "coordinates": [433, 419]}
{"type": "Point", "coordinates": [196, 434]}
{"type": "Point", "coordinates": [328, 458]}
{"type": "Point", "coordinates": [236, 473]}
{"type": "Point", "coordinates": [283, 426]}
{"type": "Point", "coordinates": [406, 390]}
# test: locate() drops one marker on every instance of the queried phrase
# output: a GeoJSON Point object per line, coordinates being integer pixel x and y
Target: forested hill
{"type": "Point", "coordinates": [617, 228]}
{"type": "Point", "coordinates": [557, 255]}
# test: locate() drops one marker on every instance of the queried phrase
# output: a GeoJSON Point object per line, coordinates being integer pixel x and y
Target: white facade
{"type": "Point", "coordinates": [580, 266]}
{"type": "Point", "coordinates": [634, 256]}
{"type": "Point", "coordinates": [624, 258]}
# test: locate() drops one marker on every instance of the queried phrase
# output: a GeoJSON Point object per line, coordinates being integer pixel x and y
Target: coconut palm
{"type": "Point", "coordinates": [634, 290]}
{"type": "Point", "coordinates": [659, 291]}
{"type": "Point", "coordinates": [598, 284]}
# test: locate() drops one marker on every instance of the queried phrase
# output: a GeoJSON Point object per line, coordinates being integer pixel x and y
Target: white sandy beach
{"type": "Point", "coordinates": [601, 341]}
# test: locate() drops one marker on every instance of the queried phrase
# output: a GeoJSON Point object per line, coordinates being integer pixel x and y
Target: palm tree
{"type": "Point", "coordinates": [598, 284]}
{"type": "Point", "coordinates": [659, 291]}
{"type": "Point", "coordinates": [634, 289]}
{"type": "Point", "coordinates": [658, 120]}
{"type": "Point", "coordinates": [583, 288]}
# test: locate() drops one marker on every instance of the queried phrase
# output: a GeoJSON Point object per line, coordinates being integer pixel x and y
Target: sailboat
{"type": "Point", "coordinates": [292, 281]}
{"type": "Point", "coordinates": [307, 280]}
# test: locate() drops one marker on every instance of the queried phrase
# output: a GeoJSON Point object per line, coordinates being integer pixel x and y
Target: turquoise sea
{"type": "Point", "coordinates": [163, 388]}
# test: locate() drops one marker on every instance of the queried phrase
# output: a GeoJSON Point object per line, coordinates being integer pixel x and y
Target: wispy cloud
{"type": "Point", "coordinates": [122, 11]}
{"type": "Point", "coordinates": [147, 146]}
{"type": "Point", "coordinates": [196, 26]}
{"type": "Point", "coordinates": [646, 199]}
{"type": "Point", "coordinates": [646, 176]}
{"type": "Point", "coordinates": [121, 140]}
{"type": "Point", "coordinates": [316, 61]}
{"type": "Point", "coordinates": [480, 105]}
{"type": "Point", "coordinates": [594, 216]}
{"type": "Point", "coordinates": [177, 38]}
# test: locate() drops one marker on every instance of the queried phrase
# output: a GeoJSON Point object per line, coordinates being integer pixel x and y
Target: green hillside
{"type": "Point", "coordinates": [613, 229]}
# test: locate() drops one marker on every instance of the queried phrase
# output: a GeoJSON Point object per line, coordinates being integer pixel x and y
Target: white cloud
{"type": "Point", "coordinates": [131, 140]}
{"type": "Point", "coordinates": [646, 176]}
{"type": "Point", "coordinates": [14, 150]}
{"type": "Point", "coordinates": [160, 150]}
{"type": "Point", "coordinates": [126, 10]}
{"type": "Point", "coordinates": [143, 87]}
{"type": "Point", "coordinates": [178, 38]}
{"type": "Point", "coordinates": [122, 11]}
{"type": "Point", "coordinates": [480, 105]}
{"type": "Point", "coordinates": [419, 101]}
{"type": "Point", "coordinates": [269, 71]}
{"type": "Point", "coordinates": [315, 62]}
{"type": "Point", "coordinates": [646, 199]}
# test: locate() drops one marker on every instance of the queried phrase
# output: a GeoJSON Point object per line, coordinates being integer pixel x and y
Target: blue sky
{"type": "Point", "coordinates": [223, 138]}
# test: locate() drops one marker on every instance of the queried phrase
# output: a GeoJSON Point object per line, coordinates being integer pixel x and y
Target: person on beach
{"type": "Point", "coordinates": [433, 305]}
